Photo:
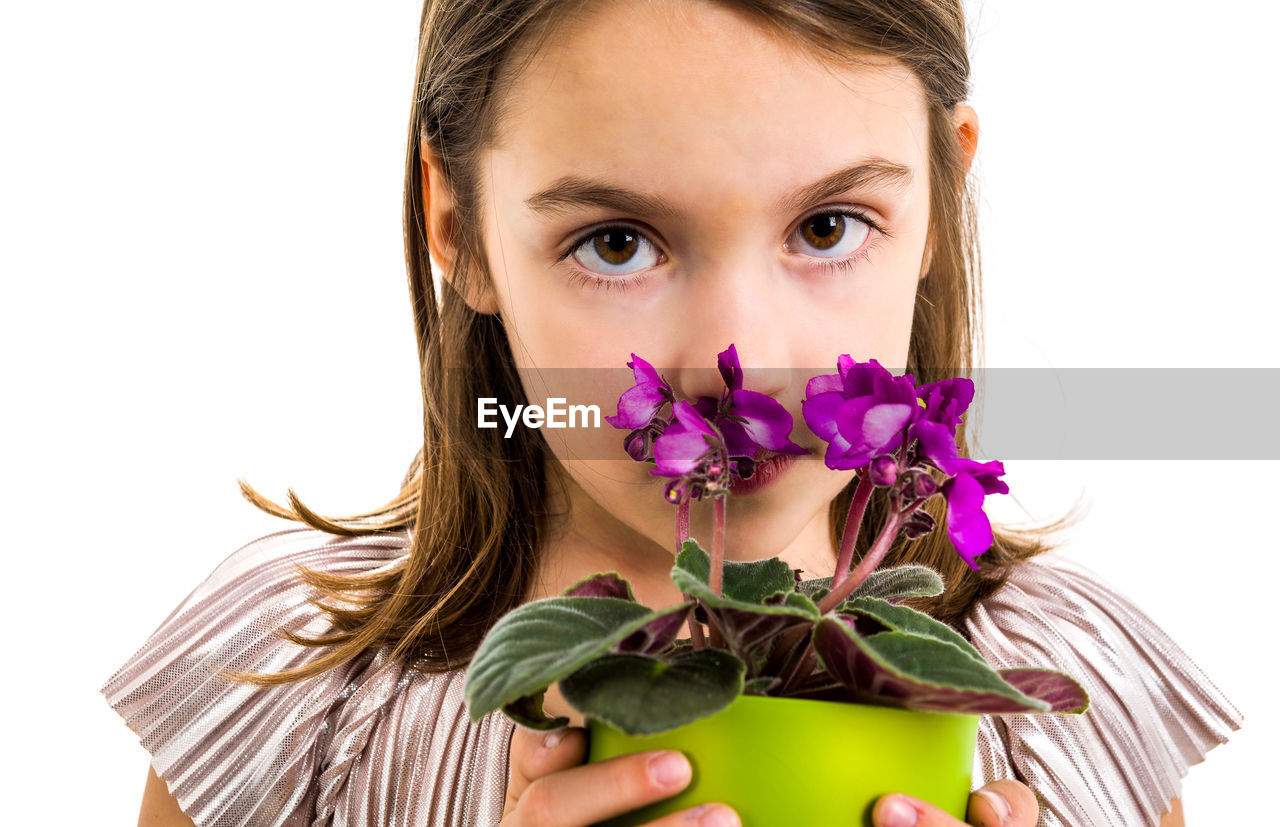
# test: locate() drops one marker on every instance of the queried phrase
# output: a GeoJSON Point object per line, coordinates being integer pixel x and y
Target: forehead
{"type": "Point", "coordinates": [673, 95]}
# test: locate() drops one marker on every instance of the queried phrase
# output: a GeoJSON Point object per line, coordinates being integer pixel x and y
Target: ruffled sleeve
{"type": "Point", "coordinates": [367, 743]}
{"type": "Point", "coordinates": [1153, 714]}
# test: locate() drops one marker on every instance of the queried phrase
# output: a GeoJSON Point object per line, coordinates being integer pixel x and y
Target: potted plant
{"type": "Point", "coordinates": [800, 702]}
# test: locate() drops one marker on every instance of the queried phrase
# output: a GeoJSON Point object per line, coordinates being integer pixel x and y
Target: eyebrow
{"type": "Point", "coordinates": [573, 191]}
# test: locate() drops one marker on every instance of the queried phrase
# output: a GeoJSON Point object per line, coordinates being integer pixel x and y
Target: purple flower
{"type": "Point", "coordinates": [686, 443]}
{"type": "Point", "coordinates": [638, 409]}
{"type": "Point", "coordinates": [751, 420]}
{"type": "Point", "coordinates": [864, 414]}
{"type": "Point", "coordinates": [861, 412]}
{"type": "Point", "coordinates": [689, 450]}
{"type": "Point", "coordinates": [640, 403]}
{"type": "Point", "coordinates": [967, 524]}
{"type": "Point", "coordinates": [946, 401]}
{"type": "Point", "coordinates": [705, 443]}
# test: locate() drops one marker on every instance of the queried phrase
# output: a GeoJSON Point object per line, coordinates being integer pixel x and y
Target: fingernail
{"type": "Point", "coordinates": [998, 805]}
{"type": "Point", "coordinates": [554, 737]}
{"type": "Point", "coordinates": [670, 769]}
{"type": "Point", "coordinates": [711, 815]}
{"type": "Point", "coordinates": [896, 812]}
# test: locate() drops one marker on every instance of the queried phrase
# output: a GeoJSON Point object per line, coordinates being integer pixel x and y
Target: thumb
{"type": "Point", "coordinates": [535, 753]}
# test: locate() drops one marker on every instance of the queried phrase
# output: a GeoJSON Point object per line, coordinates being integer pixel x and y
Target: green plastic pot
{"type": "Point", "coordinates": [781, 762]}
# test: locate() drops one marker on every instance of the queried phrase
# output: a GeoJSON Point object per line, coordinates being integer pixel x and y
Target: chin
{"type": "Point", "coordinates": [758, 534]}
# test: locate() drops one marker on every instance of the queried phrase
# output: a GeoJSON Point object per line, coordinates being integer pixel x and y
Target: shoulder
{"type": "Point", "coordinates": [368, 734]}
{"type": "Point", "coordinates": [1153, 712]}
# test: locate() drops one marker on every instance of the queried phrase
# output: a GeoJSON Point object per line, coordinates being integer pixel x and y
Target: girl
{"type": "Point", "coordinates": [594, 179]}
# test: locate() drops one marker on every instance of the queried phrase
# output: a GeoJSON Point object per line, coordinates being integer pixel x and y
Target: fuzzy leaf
{"type": "Point", "coordinates": [645, 696]}
{"type": "Point", "coordinates": [897, 583]}
{"type": "Point", "coordinates": [915, 671]}
{"type": "Point", "coordinates": [750, 618]}
{"type": "Point", "coordinates": [1060, 691]}
{"type": "Point", "coordinates": [527, 711]}
{"type": "Point", "coordinates": [656, 636]}
{"type": "Point", "coordinates": [537, 644]}
{"type": "Point", "coordinates": [609, 584]}
{"type": "Point", "coordinates": [748, 582]}
{"type": "Point", "coordinates": [903, 619]}
{"type": "Point", "coordinates": [760, 686]}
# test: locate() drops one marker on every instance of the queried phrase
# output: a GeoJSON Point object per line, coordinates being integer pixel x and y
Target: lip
{"type": "Point", "coordinates": [765, 474]}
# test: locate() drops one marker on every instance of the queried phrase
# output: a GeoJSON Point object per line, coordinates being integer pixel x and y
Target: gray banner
{"type": "Point", "coordinates": [1017, 413]}
{"type": "Point", "coordinates": [1126, 413]}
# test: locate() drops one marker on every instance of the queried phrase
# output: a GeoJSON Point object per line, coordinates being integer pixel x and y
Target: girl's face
{"type": "Point", "coordinates": [669, 179]}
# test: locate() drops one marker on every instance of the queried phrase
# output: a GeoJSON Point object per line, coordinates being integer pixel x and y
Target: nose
{"type": "Point", "coordinates": [732, 307]}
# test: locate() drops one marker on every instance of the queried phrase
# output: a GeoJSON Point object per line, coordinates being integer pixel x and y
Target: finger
{"type": "Point", "coordinates": [704, 815]}
{"type": "Point", "coordinates": [897, 810]}
{"type": "Point", "coordinates": [1004, 802]}
{"type": "Point", "coordinates": [535, 753]}
{"type": "Point", "coordinates": [595, 792]}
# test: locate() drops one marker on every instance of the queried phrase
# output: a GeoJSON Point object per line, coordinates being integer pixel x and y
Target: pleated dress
{"type": "Point", "coordinates": [376, 744]}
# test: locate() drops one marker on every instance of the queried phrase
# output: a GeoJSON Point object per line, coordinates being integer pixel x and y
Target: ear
{"type": "Point", "coordinates": [441, 218]}
{"type": "Point", "coordinates": [965, 122]}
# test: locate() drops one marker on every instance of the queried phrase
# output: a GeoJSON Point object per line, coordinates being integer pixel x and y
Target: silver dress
{"type": "Point", "coordinates": [373, 744]}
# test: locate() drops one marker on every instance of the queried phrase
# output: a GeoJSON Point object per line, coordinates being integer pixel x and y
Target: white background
{"type": "Point", "coordinates": [204, 279]}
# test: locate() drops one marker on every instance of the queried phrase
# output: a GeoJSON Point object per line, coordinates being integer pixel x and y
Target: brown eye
{"type": "Point", "coordinates": [823, 231]}
{"type": "Point", "coordinates": [615, 246]}
{"type": "Point", "coordinates": [615, 251]}
{"type": "Point", "coordinates": [832, 234]}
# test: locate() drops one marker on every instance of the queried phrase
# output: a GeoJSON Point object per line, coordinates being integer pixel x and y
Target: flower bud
{"type": "Point", "coordinates": [637, 444]}
{"type": "Point", "coordinates": [884, 470]}
{"type": "Point", "coordinates": [918, 524]}
{"type": "Point", "coordinates": [923, 486]}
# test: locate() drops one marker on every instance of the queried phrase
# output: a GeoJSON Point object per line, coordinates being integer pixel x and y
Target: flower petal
{"type": "Point", "coordinates": [638, 405]}
{"type": "Point", "coordinates": [937, 443]}
{"type": "Point", "coordinates": [967, 524]}
{"type": "Point", "coordinates": [643, 371]}
{"type": "Point", "coordinates": [947, 400]}
{"type": "Point", "coordinates": [767, 421]}
{"type": "Point", "coordinates": [679, 453]}
{"type": "Point", "coordinates": [819, 411]}
{"type": "Point", "coordinates": [730, 370]}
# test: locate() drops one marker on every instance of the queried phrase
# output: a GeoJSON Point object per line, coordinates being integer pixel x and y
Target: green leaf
{"type": "Point", "coordinates": [608, 584]}
{"type": "Point", "coordinates": [528, 712]}
{"type": "Point", "coordinates": [760, 686]}
{"type": "Point", "coordinates": [537, 644]}
{"type": "Point", "coordinates": [646, 696]}
{"type": "Point", "coordinates": [914, 671]}
{"type": "Point", "coordinates": [903, 619]}
{"type": "Point", "coordinates": [1060, 691]}
{"type": "Point", "coordinates": [754, 613]}
{"type": "Point", "coordinates": [897, 583]}
{"type": "Point", "coordinates": [749, 582]}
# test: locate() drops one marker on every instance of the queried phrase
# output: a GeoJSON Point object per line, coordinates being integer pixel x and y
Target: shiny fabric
{"type": "Point", "coordinates": [373, 743]}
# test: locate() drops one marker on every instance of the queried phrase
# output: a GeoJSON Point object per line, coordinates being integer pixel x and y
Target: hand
{"type": "Point", "coordinates": [999, 804]}
{"type": "Point", "coordinates": [551, 786]}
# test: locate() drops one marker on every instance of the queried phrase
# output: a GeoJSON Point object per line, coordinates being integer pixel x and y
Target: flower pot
{"type": "Point", "coordinates": [787, 761]}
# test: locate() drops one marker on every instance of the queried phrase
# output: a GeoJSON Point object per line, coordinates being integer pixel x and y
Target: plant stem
{"type": "Point", "coordinates": [867, 565]}
{"type": "Point", "coordinates": [716, 579]}
{"type": "Point", "coordinates": [852, 525]}
{"type": "Point", "coordinates": [803, 669]}
{"type": "Point", "coordinates": [682, 533]}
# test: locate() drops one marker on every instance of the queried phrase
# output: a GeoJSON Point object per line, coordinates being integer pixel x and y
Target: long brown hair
{"type": "Point", "coordinates": [475, 503]}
